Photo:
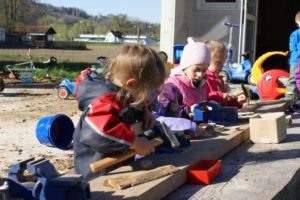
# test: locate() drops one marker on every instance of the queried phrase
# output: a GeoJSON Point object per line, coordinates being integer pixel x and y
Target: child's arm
{"type": "Point", "coordinates": [297, 76]}
{"type": "Point", "coordinates": [102, 130]}
{"type": "Point", "coordinates": [217, 96]}
{"type": "Point", "coordinates": [169, 100]}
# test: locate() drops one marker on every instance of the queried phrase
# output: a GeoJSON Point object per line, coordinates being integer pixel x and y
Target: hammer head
{"type": "Point", "coordinates": [170, 135]}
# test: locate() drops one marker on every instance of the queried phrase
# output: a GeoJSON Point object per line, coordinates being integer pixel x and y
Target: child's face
{"type": "Point", "coordinates": [218, 59]}
{"type": "Point", "coordinates": [196, 72]}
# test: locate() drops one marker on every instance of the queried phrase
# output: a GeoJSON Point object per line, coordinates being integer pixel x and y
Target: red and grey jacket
{"type": "Point", "coordinates": [104, 126]}
{"type": "Point", "coordinates": [89, 86]}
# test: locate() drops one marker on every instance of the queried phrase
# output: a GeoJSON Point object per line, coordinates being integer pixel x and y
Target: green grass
{"type": "Point", "coordinates": [62, 70]}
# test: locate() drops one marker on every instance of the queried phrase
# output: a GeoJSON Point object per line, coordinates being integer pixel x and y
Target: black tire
{"type": "Point", "coordinates": [63, 93]}
{"type": "Point", "coordinates": [53, 61]}
{"type": "Point", "coordinates": [249, 80]}
{"type": "Point", "coordinates": [2, 85]}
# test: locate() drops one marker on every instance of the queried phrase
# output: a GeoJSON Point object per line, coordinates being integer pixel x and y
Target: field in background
{"type": "Point", "coordinates": [70, 62]}
{"type": "Point", "coordinates": [88, 55]}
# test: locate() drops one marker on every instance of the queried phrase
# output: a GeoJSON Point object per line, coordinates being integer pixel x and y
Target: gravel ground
{"type": "Point", "coordinates": [20, 111]}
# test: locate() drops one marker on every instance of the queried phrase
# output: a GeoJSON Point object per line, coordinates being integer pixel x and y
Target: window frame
{"type": "Point", "coordinates": [203, 5]}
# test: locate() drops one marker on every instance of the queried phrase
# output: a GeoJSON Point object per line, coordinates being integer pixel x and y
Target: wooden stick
{"type": "Point", "coordinates": [110, 161]}
{"type": "Point", "coordinates": [122, 182]}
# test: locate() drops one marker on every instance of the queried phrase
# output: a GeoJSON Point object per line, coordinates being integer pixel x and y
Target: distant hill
{"type": "Point", "coordinates": [69, 22]}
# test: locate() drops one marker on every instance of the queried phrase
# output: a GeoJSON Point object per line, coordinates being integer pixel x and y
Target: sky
{"type": "Point", "coordinates": [145, 10]}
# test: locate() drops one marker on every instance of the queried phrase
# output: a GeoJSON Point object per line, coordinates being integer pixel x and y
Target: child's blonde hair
{"type": "Point", "coordinates": [141, 63]}
{"type": "Point", "coordinates": [214, 45]}
{"type": "Point", "coordinates": [297, 17]}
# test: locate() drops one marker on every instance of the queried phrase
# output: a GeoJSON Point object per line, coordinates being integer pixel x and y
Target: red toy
{"type": "Point", "coordinates": [204, 172]}
{"type": "Point", "coordinates": [269, 86]}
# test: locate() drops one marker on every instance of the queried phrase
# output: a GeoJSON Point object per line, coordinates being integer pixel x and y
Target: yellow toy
{"type": "Point", "coordinates": [257, 70]}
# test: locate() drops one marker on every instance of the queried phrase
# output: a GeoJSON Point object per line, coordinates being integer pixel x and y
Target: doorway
{"type": "Point", "coordinates": [276, 21]}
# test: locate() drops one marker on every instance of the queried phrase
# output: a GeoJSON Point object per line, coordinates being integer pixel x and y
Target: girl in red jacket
{"type": "Point", "coordinates": [105, 127]}
{"type": "Point", "coordinates": [217, 90]}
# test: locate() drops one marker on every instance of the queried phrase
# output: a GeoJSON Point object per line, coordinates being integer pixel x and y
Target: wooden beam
{"type": "Point", "coordinates": [202, 149]}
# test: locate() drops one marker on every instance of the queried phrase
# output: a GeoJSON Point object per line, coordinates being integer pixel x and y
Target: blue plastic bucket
{"type": "Point", "coordinates": [56, 131]}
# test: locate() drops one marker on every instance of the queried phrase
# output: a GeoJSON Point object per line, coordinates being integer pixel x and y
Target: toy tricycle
{"type": "Point", "coordinates": [236, 71]}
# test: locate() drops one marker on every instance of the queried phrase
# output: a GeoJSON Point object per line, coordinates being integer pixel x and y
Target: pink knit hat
{"type": "Point", "coordinates": [194, 53]}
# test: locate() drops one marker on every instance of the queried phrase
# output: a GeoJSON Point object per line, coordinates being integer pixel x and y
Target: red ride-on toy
{"type": "Point", "coordinates": [269, 86]}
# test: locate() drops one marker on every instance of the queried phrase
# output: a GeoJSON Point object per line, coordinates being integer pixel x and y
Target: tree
{"type": "Point", "coordinates": [10, 10]}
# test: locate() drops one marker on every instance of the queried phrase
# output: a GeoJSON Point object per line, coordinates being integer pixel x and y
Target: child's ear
{"type": "Point", "coordinates": [131, 83]}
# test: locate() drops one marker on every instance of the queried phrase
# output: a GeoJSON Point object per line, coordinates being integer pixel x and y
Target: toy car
{"type": "Point", "coordinates": [66, 88]}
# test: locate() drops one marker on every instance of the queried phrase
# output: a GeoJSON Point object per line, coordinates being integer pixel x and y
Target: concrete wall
{"type": "Point", "coordinates": [183, 18]}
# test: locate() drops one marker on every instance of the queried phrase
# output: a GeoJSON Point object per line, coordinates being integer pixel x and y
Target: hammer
{"type": "Point", "coordinates": [110, 161]}
{"type": "Point", "coordinates": [168, 133]}
{"type": "Point", "coordinates": [246, 93]}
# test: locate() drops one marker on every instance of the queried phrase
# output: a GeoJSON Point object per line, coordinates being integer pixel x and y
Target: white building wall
{"type": "Point", "coordinates": [181, 19]}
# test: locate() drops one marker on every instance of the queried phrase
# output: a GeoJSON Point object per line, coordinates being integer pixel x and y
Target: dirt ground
{"type": "Point", "coordinates": [20, 111]}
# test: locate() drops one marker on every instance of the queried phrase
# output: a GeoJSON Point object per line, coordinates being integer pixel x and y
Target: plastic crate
{"type": "Point", "coordinates": [178, 48]}
{"type": "Point", "coordinates": [204, 172]}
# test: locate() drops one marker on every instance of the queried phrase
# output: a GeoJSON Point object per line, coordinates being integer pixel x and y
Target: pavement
{"type": "Point", "coordinates": [254, 171]}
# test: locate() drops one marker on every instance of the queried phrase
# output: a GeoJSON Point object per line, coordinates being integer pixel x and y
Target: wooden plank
{"type": "Point", "coordinates": [212, 148]}
{"type": "Point", "coordinates": [121, 182]}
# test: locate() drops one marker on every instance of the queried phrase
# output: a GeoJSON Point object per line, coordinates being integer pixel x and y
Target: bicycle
{"type": "Point", "coordinates": [236, 71]}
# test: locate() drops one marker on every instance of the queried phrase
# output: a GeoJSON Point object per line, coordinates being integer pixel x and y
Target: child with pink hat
{"type": "Point", "coordinates": [187, 83]}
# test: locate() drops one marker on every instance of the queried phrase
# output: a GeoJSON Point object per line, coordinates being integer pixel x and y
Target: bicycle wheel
{"type": "Point", "coordinates": [2, 85]}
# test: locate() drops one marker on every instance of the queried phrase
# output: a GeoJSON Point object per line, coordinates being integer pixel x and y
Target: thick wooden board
{"type": "Point", "coordinates": [212, 148]}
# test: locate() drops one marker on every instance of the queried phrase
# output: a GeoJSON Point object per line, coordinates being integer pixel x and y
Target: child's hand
{"type": "Point", "coordinates": [174, 106]}
{"type": "Point", "coordinates": [197, 134]}
{"type": "Point", "coordinates": [242, 99]}
{"type": "Point", "coordinates": [142, 146]}
{"type": "Point", "coordinates": [226, 97]}
{"type": "Point", "coordinates": [149, 121]}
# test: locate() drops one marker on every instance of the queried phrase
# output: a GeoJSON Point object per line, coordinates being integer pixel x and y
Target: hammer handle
{"type": "Point", "coordinates": [110, 161]}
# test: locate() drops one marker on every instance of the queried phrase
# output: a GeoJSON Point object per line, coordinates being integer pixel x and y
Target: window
{"type": "Point", "coordinates": [220, 1]}
{"type": "Point", "coordinates": [218, 4]}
